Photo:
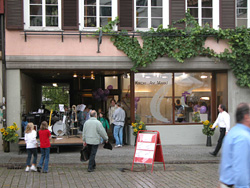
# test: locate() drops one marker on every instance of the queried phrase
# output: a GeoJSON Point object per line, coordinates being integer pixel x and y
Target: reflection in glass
{"type": "Point", "coordinates": [207, 21]}
{"type": "Point", "coordinates": [207, 13]}
{"type": "Point", "coordinates": [242, 3]}
{"type": "Point", "coordinates": [156, 22]}
{"type": "Point", "coordinates": [141, 2]}
{"type": "Point", "coordinates": [51, 10]}
{"type": "Point", "coordinates": [142, 23]}
{"type": "Point", "coordinates": [105, 2]}
{"type": "Point", "coordinates": [104, 21]}
{"type": "Point", "coordinates": [194, 12]}
{"type": "Point", "coordinates": [105, 11]}
{"type": "Point", "coordinates": [51, 2]}
{"type": "Point", "coordinates": [51, 21]}
{"type": "Point", "coordinates": [207, 3]}
{"type": "Point", "coordinates": [35, 1]}
{"type": "Point", "coordinates": [36, 21]}
{"type": "Point", "coordinates": [142, 12]}
{"type": "Point", "coordinates": [90, 11]}
{"type": "Point", "coordinates": [241, 13]}
{"type": "Point", "coordinates": [35, 10]}
{"type": "Point", "coordinates": [89, 2]}
{"type": "Point", "coordinates": [89, 21]}
{"type": "Point", "coordinates": [192, 3]}
{"type": "Point", "coordinates": [156, 2]}
{"type": "Point", "coordinates": [241, 22]}
{"type": "Point", "coordinates": [156, 12]}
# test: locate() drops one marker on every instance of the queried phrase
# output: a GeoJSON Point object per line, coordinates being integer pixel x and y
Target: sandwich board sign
{"type": "Point", "coordinates": [148, 149]}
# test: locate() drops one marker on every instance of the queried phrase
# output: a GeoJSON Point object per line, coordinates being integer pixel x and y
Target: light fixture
{"type": "Point", "coordinates": [203, 76]}
{"type": "Point", "coordinates": [74, 75]}
{"type": "Point", "coordinates": [83, 76]}
{"type": "Point", "coordinates": [114, 77]}
{"type": "Point", "coordinates": [54, 84]}
{"type": "Point", "coordinates": [205, 98]}
{"type": "Point", "coordinates": [92, 77]}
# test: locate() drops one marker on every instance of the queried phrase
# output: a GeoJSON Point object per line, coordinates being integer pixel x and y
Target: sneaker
{"type": "Point", "coordinates": [33, 168]}
{"type": "Point", "coordinates": [119, 146]}
{"type": "Point", "coordinates": [27, 169]}
{"type": "Point", "coordinates": [116, 146]}
{"type": "Point", "coordinates": [39, 169]}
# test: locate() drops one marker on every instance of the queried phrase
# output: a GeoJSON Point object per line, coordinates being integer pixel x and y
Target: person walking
{"type": "Point", "coordinates": [235, 163]}
{"type": "Point", "coordinates": [92, 132]}
{"type": "Point", "coordinates": [31, 147]}
{"type": "Point", "coordinates": [45, 136]}
{"type": "Point", "coordinates": [119, 120]}
{"type": "Point", "coordinates": [223, 120]}
{"type": "Point", "coordinates": [104, 122]}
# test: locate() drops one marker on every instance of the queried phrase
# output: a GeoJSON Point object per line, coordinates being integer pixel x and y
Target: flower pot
{"type": "Point", "coordinates": [135, 140]}
{"type": "Point", "coordinates": [6, 146]}
{"type": "Point", "coordinates": [209, 141]}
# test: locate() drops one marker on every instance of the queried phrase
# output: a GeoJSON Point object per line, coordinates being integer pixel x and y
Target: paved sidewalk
{"type": "Point", "coordinates": [186, 167]}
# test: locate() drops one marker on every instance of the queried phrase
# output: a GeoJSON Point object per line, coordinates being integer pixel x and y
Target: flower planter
{"type": "Point", "coordinates": [6, 146]}
{"type": "Point", "coordinates": [209, 141]}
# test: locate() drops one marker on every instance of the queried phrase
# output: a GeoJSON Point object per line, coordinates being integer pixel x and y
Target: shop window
{"type": "Point", "coordinates": [204, 11]}
{"type": "Point", "coordinates": [153, 98]}
{"type": "Point", "coordinates": [111, 82]}
{"type": "Point", "coordinates": [192, 97]}
{"type": "Point", "coordinates": [221, 90]}
{"type": "Point", "coordinates": [96, 13]}
{"type": "Point", "coordinates": [151, 13]}
{"type": "Point", "coordinates": [42, 14]}
{"type": "Point", "coordinates": [242, 13]}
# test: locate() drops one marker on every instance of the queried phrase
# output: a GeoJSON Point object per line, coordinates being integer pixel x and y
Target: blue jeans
{"type": "Point", "coordinates": [30, 152]}
{"type": "Point", "coordinates": [118, 134]}
{"type": "Point", "coordinates": [45, 159]}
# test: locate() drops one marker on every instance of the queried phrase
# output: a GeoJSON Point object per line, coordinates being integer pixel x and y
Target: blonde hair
{"type": "Point", "coordinates": [44, 125]}
{"type": "Point", "coordinates": [29, 128]}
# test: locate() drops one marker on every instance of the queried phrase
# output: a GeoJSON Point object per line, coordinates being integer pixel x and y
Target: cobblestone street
{"type": "Point", "coordinates": [175, 176]}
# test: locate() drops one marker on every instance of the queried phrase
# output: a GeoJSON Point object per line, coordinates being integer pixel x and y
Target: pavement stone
{"type": "Point", "coordinates": [186, 167]}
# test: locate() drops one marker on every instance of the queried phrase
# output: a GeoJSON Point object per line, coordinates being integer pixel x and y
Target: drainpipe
{"type": "Point", "coordinates": [3, 106]}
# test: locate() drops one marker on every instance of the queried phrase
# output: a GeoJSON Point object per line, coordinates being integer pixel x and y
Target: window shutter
{"type": "Point", "coordinates": [227, 14]}
{"type": "Point", "coordinates": [126, 12]}
{"type": "Point", "coordinates": [70, 14]}
{"type": "Point", "coordinates": [14, 14]}
{"type": "Point", "coordinates": [177, 12]}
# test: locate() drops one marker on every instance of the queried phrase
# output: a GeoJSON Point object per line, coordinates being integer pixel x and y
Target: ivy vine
{"type": "Point", "coordinates": [182, 44]}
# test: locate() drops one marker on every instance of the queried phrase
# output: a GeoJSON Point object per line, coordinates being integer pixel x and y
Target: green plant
{"type": "Point", "coordinates": [137, 127]}
{"type": "Point", "coordinates": [207, 128]}
{"type": "Point", "coordinates": [10, 133]}
{"type": "Point", "coordinates": [196, 118]}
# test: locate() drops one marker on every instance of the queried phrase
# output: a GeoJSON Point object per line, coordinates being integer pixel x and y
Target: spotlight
{"type": "Point", "coordinates": [74, 75]}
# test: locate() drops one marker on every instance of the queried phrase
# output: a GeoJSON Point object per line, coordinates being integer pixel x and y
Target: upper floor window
{"type": "Point", "coordinates": [242, 13]}
{"type": "Point", "coordinates": [151, 13]}
{"type": "Point", "coordinates": [96, 13]}
{"type": "Point", "coordinates": [42, 14]}
{"type": "Point", "coordinates": [204, 11]}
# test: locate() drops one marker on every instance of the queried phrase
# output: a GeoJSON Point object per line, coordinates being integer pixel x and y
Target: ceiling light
{"type": "Point", "coordinates": [203, 76]}
{"type": "Point", "coordinates": [83, 76]}
{"type": "Point", "coordinates": [74, 75]}
{"type": "Point", "coordinates": [55, 84]}
{"type": "Point", "coordinates": [205, 98]}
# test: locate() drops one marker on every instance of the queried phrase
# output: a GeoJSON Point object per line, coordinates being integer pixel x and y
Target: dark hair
{"type": "Point", "coordinates": [118, 104]}
{"type": "Point", "coordinates": [44, 125]}
{"type": "Point", "coordinates": [112, 100]}
{"type": "Point", "coordinates": [241, 111]}
{"type": "Point", "coordinates": [93, 113]}
{"type": "Point", "coordinates": [223, 107]}
{"type": "Point", "coordinates": [178, 101]}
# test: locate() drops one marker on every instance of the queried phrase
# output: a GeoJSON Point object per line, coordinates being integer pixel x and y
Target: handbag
{"type": "Point", "coordinates": [84, 154]}
{"type": "Point", "coordinates": [107, 146]}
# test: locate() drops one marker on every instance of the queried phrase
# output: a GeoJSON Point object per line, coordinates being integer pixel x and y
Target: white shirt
{"type": "Point", "coordinates": [30, 140]}
{"type": "Point", "coordinates": [223, 120]}
{"type": "Point", "coordinates": [111, 112]}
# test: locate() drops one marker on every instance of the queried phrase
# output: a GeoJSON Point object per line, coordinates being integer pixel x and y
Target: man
{"type": "Point", "coordinates": [91, 136]}
{"type": "Point", "coordinates": [119, 120]}
{"type": "Point", "coordinates": [223, 121]}
{"type": "Point", "coordinates": [235, 163]}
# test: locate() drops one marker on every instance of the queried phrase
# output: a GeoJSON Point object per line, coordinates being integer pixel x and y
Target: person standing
{"type": "Point", "coordinates": [111, 111]}
{"type": "Point", "coordinates": [223, 120]}
{"type": "Point", "coordinates": [31, 146]}
{"type": "Point", "coordinates": [92, 132]}
{"type": "Point", "coordinates": [235, 163]}
{"type": "Point", "coordinates": [45, 136]}
{"type": "Point", "coordinates": [119, 120]}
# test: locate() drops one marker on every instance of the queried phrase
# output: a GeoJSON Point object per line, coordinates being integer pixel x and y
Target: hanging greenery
{"type": "Point", "coordinates": [182, 44]}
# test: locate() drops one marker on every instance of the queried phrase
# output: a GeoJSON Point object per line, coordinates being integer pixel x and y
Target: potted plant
{"type": "Point", "coordinates": [9, 134]}
{"type": "Point", "coordinates": [140, 125]}
{"type": "Point", "coordinates": [207, 131]}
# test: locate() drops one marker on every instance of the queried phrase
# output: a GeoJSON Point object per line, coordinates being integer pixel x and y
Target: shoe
{"type": "Point", "coordinates": [117, 146]}
{"type": "Point", "coordinates": [212, 153]}
{"type": "Point", "coordinates": [94, 167]}
{"type": "Point", "coordinates": [27, 169]}
{"type": "Point", "coordinates": [39, 169]}
{"type": "Point", "coordinates": [33, 168]}
{"type": "Point", "coordinates": [45, 172]}
{"type": "Point", "coordinates": [89, 170]}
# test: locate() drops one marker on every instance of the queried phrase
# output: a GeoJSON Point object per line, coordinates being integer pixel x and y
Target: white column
{"type": "Point", "coordinates": [216, 14]}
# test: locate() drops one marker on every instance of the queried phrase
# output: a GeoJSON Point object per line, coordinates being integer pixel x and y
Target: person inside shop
{"type": "Point", "coordinates": [179, 110]}
{"type": "Point", "coordinates": [111, 111]}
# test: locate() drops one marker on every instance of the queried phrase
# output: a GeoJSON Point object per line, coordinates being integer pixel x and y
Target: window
{"type": "Point", "coordinates": [242, 13]}
{"type": "Point", "coordinates": [160, 99]}
{"type": "Point", "coordinates": [96, 13]}
{"type": "Point", "coordinates": [151, 13]}
{"type": "Point", "coordinates": [42, 14]}
{"type": "Point", "coordinates": [204, 11]}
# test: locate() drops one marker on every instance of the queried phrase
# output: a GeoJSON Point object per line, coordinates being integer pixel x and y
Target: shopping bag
{"type": "Point", "coordinates": [84, 154]}
{"type": "Point", "coordinates": [107, 146]}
